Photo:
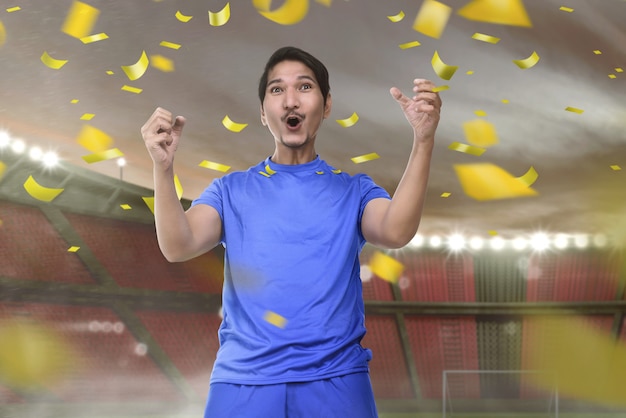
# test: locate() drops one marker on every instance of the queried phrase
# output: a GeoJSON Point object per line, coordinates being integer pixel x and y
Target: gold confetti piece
{"type": "Point", "coordinates": [73, 249]}
{"type": "Point", "coordinates": [178, 187]}
{"type": "Point", "coordinates": [275, 319]}
{"type": "Point", "coordinates": [481, 133]}
{"type": "Point", "coordinates": [619, 70]}
{"type": "Point", "coordinates": [170, 45]}
{"type": "Point", "coordinates": [487, 181]}
{"type": "Point", "coordinates": [485, 38]}
{"type": "Point", "coordinates": [386, 267]}
{"type": "Point", "coordinates": [467, 149]}
{"type": "Point", "coordinates": [480, 113]}
{"type": "Point", "coordinates": [50, 62]}
{"type": "Point", "coordinates": [441, 88]}
{"type": "Point", "coordinates": [612, 76]}
{"type": "Point", "coordinates": [183, 18]}
{"type": "Point", "coordinates": [214, 166]}
{"type": "Point", "coordinates": [319, 172]}
{"type": "Point", "coordinates": [87, 116]}
{"type": "Point", "coordinates": [39, 192]}
{"type": "Point", "coordinates": [324, 2]}
{"type": "Point", "coordinates": [469, 72]}
{"type": "Point", "coordinates": [442, 69]}
{"type": "Point", "coordinates": [162, 63]}
{"type": "Point", "coordinates": [14, 9]}
{"type": "Point", "coordinates": [290, 13]}
{"type": "Point", "coordinates": [527, 62]}
{"type": "Point", "coordinates": [3, 168]}
{"type": "Point", "coordinates": [492, 232]}
{"type": "Point", "coordinates": [220, 18]}
{"type": "Point", "coordinates": [530, 177]}
{"type": "Point", "coordinates": [597, 52]}
{"type": "Point", "coordinates": [109, 72]}
{"type": "Point", "coordinates": [503, 12]}
{"type": "Point", "coordinates": [102, 156]}
{"type": "Point", "coordinates": [616, 167]}
{"type": "Point", "coordinates": [233, 126]}
{"type": "Point", "coordinates": [408, 45]}
{"type": "Point", "coordinates": [364, 158]}
{"type": "Point", "coordinates": [131, 89]}
{"type": "Point", "coordinates": [574, 110]}
{"type": "Point", "coordinates": [505, 101]}
{"type": "Point", "coordinates": [446, 194]}
{"type": "Point", "coordinates": [346, 123]}
{"type": "Point", "coordinates": [74, 101]}
{"type": "Point", "coordinates": [432, 18]}
{"type": "Point", "coordinates": [94, 38]}
{"type": "Point", "coordinates": [3, 34]}
{"type": "Point", "coordinates": [566, 9]}
{"type": "Point", "coordinates": [149, 201]}
{"type": "Point", "coordinates": [336, 171]}
{"type": "Point", "coordinates": [93, 139]}
{"type": "Point", "coordinates": [125, 206]}
{"type": "Point", "coordinates": [135, 71]}
{"type": "Point", "coordinates": [396, 18]}
{"type": "Point", "coordinates": [80, 20]}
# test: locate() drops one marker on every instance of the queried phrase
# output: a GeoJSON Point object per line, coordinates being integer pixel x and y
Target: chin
{"type": "Point", "coordinates": [294, 142]}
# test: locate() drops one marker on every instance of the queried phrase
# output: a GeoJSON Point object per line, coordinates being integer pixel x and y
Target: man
{"type": "Point", "coordinates": [292, 228]}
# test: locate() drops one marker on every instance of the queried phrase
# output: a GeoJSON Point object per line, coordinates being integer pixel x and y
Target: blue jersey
{"type": "Point", "coordinates": [292, 298]}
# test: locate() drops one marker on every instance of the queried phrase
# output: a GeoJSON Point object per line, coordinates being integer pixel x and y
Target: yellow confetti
{"type": "Point", "coordinates": [3, 168]}
{"type": "Point", "coordinates": [269, 170]}
{"type": "Point", "coordinates": [364, 158]}
{"type": "Point", "coordinates": [131, 89]}
{"type": "Point", "coordinates": [136, 70]}
{"type": "Point", "coordinates": [442, 69]}
{"type": "Point", "coordinates": [93, 139]}
{"type": "Point", "coordinates": [505, 101]}
{"type": "Point", "coordinates": [445, 194]}
{"type": "Point", "coordinates": [348, 122]}
{"type": "Point", "coordinates": [183, 18]}
{"type": "Point", "coordinates": [492, 232]}
{"type": "Point", "coordinates": [103, 156]}
{"type": "Point", "coordinates": [39, 192]}
{"type": "Point", "coordinates": [162, 63]}
{"type": "Point", "coordinates": [319, 172]}
{"type": "Point", "coordinates": [480, 113]}
{"type": "Point", "coordinates": [487, 181]}
{"type": "Point", "coordinates": [13, 9]}
{"type": "Point", "coordinates": [574, 110]}
{"type": "Point", "coordinates": [386, 267]}
{"type": "Point", "coordinates": [616, 167]}
{"type": "Point", "coordinates": [220, 18]}
{"type": "Point", "coordinates": [432, 18]}
{"type": "Point", "coordinates": [485, 38]}
{"type": "Point", "coordinates": [94, 38]}
{"type": "Point", "coordinates": [73, 249]}
{"type": "Point", "coordinates": [530, 177]}
{"type": "Point", "coordinates": [290, 13]}
{"type": "Point", "coordinates": [53, 63]}
{"type": "Point", "coordinates": [233, 126]}
{"type": "Point", "coordinates": [336, 171]}
{"type": "Point", "coordinates": [566, 9]}
{"type": "Point", "coordinates": [527, 62]}
{"type": "Point", "coordinates": [324, 2]}
{"type": "Point", "coordinates": [3, 34]}
{"type": "Point", "coordinates": [469, 72]}
{"type": "Point", "coordinates": [170, 45]}
{"type": "Point", "coordinates": [74, 101]}
{"type": "Point", "coordinates": [619, 70]}
{"type": "Point", "coordinates": [125, 206]}
{"type": "Point", "coordinates": [109, 72]}
{"type": "Point", "coordinates": [613, 76]}
{"type": "Point", "coordinates": [87, 116]}
{"type": "Point", "coordinates": [80, 20]}
{"type": "Point", "coordinates": [178, 187]}
{"type": "Point", "coordinates": [441, 88]}
{"type": "Point", "coordinates": [467, 149]}
{"type": "Point", "coordinates": [481, 133]}
{"type": "Point", "coordinates": [503, 12]}
{"type": "Point", "coordinates": [396, 18]}
{"type": "Point", "coordinates": [214, 166]}
{"type": "Point", "coordinates": [149, 201]}
{"type": "Point", "coordinates": [597, 52]}
{"type": "Point", "coordinates": [408, 45]}
{"type": "Point", "coordinates": [275, 319]}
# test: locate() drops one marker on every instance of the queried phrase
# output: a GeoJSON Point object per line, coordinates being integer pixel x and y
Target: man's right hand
{"type": "Point", "coordinates": [161, 134]}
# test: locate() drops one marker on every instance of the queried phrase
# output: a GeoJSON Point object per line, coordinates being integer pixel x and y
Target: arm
{"type": "Point", "coordinates": [181, 235]}
{"type": "Point", "coordinates": [393, 223]}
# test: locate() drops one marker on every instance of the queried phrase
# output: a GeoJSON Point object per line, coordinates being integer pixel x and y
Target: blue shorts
{"type": "Point", "coordinates": [339, 397]}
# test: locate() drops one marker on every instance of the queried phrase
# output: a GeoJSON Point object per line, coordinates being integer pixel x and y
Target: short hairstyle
{"type": "Point", "coordinates": [291, 53]}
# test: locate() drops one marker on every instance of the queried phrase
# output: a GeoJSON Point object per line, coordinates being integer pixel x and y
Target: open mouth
{"type": "Point", "coordinates": [293, 122]}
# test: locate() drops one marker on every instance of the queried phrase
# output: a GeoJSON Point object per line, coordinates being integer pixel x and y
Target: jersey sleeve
{"type": "Point", "coordinates": [369, 191]}
{"type": "Point", "coordinates": [214, 197]}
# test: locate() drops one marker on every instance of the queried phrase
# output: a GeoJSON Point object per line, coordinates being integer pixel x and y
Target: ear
{"type": "Point", "coordinates": [263, 119]}
{"type": "Point", "coordinates": [327, 107]}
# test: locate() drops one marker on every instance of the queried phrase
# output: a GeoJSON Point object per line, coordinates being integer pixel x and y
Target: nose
{"type": "Point", "coordinates": [291, 100]}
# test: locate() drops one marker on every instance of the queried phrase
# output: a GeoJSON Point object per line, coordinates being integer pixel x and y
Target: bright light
{"type": "Point", "coordinates": [50, 159]}
{"type": "Point", "coordinates": [366, 273]}
{"type": "Point", "coordinates": [496, 243]}
{"type": "Point", "coordinates": [561, 241]}
{"type": "Point", "coordinates": [435, 241]}
{"type": "Point", "coordinates": [121, 162]}
{"type": "Point", "coordinates": [539, 241]}
{"type": "Point", "coordinates": [600, 240]}
{"type": "Point", "coordinates": [5, 139]}
{"type": "Point", "coordinates": [18, 146]}
{"type": "Point", "coordinates": [456, 242]}
{"type": "Point", "coordinates": [581, 241]}
{"type": "Point", "coordinates": [35, 153]}
{"type": "Point", "coordinates": [476, 243]}
{"type": "Point", "coordinates": [520, 243]}
{"type": "Point", "coordinates": [141, 349]}
{"type": "Point", "coordinates": [417, 241]}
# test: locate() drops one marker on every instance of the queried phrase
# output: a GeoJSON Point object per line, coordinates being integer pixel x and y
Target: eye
{"type": "Point", "coordinates": [275, 90]}
{"type": "Point", "coordinates": [306, 86]}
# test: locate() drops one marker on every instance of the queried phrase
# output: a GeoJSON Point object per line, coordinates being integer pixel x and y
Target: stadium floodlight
{"type": "Point", "coordinates": [540, 241]}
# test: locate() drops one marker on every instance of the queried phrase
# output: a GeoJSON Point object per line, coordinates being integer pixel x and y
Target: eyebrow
{"type": "Point", "coordinates": [300, 77]}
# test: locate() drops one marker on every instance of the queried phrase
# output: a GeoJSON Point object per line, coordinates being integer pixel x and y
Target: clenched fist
{"type": "Point", "coordinates": [161, 134]}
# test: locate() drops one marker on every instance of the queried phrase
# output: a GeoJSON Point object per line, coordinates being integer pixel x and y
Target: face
{"type": "Point", "coordinates": [293, 108]}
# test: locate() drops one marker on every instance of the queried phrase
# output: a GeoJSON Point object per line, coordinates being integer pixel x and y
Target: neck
{"type": "Point", "coordinates": [291, 156]}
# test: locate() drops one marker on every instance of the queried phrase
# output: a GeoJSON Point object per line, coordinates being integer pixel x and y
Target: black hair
{"type": "Point", "coordinates": [291, 53]}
